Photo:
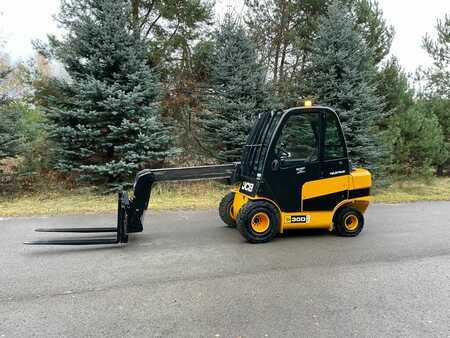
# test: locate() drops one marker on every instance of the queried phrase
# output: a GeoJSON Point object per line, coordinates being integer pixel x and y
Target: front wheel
{"type": "Point", "coordinates": [349, 222]}
{"type": "Point", "coordinates": [258, 221]}
{"type": "Point", "coordinates": [226, 209]}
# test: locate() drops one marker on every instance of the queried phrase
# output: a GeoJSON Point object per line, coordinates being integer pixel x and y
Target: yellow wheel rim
{"type": "Point", "coordinates": [351, 222]}
{"type": "Point", "coordinates": [231, 212]}
{"type": "Point", "coordinates": [260, 222]}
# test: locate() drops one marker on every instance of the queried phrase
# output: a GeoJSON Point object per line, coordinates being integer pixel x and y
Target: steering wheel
{"type": "Point", "coordinates": [314, 155]}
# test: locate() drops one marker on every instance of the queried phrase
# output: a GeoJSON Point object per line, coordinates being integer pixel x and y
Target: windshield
{"type": "Point", "coordinates": [258, 143]}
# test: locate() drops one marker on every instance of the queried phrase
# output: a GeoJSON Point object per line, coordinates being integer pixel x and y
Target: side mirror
{"type": "Point", "coordinates": [275, 165]}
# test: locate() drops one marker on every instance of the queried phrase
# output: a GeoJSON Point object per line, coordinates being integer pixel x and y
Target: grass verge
{"type": "Point", "coordinates": [413, 190]}
{"type": "Point", "coordinates": [194, 195]}
{"type": "Point", "coordinates": [170, 196]}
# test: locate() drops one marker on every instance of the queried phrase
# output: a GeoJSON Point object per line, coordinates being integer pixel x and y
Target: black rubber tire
{"type": "Point", "coordinates": [225, 206]}
{"type": "Point", "coordinates": [339, 226]}
{"type": "Point", "coordinates": [245, 215]}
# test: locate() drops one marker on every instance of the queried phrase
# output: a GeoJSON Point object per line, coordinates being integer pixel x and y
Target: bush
{"type": "Point", "coordinates": [10, 138]}
{"type": "Point", "coordinates": [25, 158]}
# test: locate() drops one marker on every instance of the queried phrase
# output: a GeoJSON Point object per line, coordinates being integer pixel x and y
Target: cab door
{"type": "Point", "coordinates": [332, 188]}
{"type": "Point", "coordinates": [294, 158]}
{"type": "Point", "coordinates": [335, 156]}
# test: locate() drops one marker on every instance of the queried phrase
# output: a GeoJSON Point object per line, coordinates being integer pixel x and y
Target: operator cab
{"type": "Point", "coordinates": [296, 174]}
{"type": "Point", "coordinates": [291, 147]}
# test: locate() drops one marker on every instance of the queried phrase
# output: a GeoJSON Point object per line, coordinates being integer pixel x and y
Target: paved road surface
{"type": "Point", "coordinates": [188, 275]}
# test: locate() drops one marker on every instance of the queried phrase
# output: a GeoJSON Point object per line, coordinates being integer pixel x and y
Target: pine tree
{"type": "Point", "coordinates": [417, 139]}
{"type": "Point", "coordinates": [342, 75]}
{"type": "Point", "coordinates": [393, 87]}
{"type": "Point", "coordinates": [437, 91]}
{"type": "Point", "coordinates": [238, 92]}
{"type": "Point", "coordinates": [398, 98]}
{"type": "Point", "coordinates": [106, 117]}
{"type": "Point", "coordinates": [439, 50]}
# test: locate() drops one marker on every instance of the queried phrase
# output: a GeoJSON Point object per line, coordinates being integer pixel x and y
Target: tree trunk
{"type": "Point", "coordinates": [281, 78]}
{"type": "Point", "coordinates": [440, 170]}
{"type": "Point", "coordinates": [135, 10]}
{"type": "Point", "coordinates": [135, 16]}
{"type": "Point", "coordinates": [275, 63]}
{"type": "Point", "coordinates": [281, 42]}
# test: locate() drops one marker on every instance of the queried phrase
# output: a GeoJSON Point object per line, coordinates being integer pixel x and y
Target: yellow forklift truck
{"type": "Point", "coordinates": [295, 174]}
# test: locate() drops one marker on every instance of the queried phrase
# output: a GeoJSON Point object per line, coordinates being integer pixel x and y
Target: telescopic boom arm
{"type": "Point", "coordinates": [131, 210]}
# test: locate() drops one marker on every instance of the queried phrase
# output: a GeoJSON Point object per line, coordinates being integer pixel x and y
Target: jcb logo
{"type": "Point", "coordinates": [247, 186]}
{"type": "Point", "coordinates": [300, 219]}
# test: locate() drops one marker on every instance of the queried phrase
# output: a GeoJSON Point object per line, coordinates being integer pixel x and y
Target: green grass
{"type": "Point", "coordinates": [195, 195]}
{"type": "Point", "coordinates": [412, 190]}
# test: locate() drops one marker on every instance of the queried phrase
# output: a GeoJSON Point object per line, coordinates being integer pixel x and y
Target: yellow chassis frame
{"type": "Point", "coordinates": [357, 179]}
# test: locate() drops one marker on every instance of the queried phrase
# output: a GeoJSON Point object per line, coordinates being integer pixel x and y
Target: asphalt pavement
{"type": "Point", "coordinates": [188, 275]}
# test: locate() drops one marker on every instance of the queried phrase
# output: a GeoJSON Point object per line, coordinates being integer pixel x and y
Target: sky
{"type": "Point", "coordinates": [21, 21]}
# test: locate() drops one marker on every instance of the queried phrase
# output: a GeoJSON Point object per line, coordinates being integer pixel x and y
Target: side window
{"type": "Point", "coordinates": [334, 143]}
{"type": "Point", "coordinates": [299, 139]}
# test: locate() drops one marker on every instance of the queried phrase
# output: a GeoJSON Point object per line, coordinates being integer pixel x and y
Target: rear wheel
{"type": "Point", "coordinates": [226, 209]}
{"type": "Point", "coordinates": [349, 222]}
{"type": "Point", "coordinates": [258, 221]}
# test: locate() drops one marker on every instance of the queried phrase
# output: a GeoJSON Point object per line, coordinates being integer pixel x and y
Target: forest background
{"type": "Point", "coordinates": [134, 84]}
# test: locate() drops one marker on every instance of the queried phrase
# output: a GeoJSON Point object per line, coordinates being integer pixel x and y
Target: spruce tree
{"type": "Point", "coordinates": [284, 29]}
{"type": "Point", "coordinates": [342, 75]}
{"type": "Point", "coordinates": [106, 116]}
{"type": "Point", "coordinates": [238, 92]}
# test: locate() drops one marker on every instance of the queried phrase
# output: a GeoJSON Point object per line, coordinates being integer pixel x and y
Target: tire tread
{"type": "Point", "coordinates": [245, 214]}
{"type": "Point", "coordinates": [339, 227]}
{"type": "Point", "coordinates": [224, 209]}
